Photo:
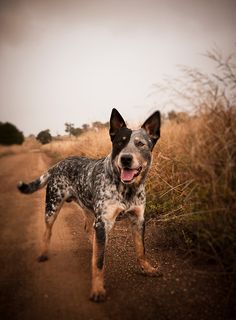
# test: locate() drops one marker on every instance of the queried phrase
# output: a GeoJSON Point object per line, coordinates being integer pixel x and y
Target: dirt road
{"type": "Point", "coordinates": [59, 288]}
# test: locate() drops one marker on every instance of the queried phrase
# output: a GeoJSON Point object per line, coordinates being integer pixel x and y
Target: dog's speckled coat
{"type": "Point", "coordinates": [103, 189]}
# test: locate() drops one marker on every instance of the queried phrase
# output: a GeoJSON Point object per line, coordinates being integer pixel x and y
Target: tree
{"type": "Point", "coordinates": [44, 136]}
{"type": "Point", "coordinates": [9, 134]}
{"type": "Point", "coordinates": [85, 126]}
{"type": "Point", "coordinates": [77, 131]}
{"type": "Point", "coordinates": [100, 125]}
{"type": "Point", "coordinates": [69, 128]}
{"type": "Point", "coordinates": [172, 115]}
{"type": "Point", "coordinates": [178, 116]}
{"type": "Point", "coordinates": [97, 125]}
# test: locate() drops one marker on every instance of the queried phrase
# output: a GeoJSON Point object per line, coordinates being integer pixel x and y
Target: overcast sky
{"type": "Point", "coordinates": [72, 61]}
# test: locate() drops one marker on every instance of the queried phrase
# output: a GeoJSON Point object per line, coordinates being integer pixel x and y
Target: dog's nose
{"type": "Point", "coordinates": [126, 160]}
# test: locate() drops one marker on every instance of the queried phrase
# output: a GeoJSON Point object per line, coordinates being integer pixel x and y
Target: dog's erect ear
{"type": "Point", "coordinates": [152, 126]}
{"type": "Point", "coordinates": [116, 123]}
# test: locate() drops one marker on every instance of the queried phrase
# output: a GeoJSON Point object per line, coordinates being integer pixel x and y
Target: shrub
{"type": "Point", "coordinates": [9, 134]}
{"type": "Point", "coordinates": [44, 136]}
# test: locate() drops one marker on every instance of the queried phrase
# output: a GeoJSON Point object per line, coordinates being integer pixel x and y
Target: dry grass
{"type": "Point", "coordinates": [192, 185]}
{"type": "Point", "coordinates": [94, 144]}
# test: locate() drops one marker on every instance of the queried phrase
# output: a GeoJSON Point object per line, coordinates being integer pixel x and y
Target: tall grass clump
{"type": "Point", "coordinates": [192, 186]}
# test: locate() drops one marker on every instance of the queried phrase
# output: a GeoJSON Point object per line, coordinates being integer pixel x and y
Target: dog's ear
{"type": "Point", "coordinates": [116, 123]}
{"type": "Point", "coordinates": [152, 126]}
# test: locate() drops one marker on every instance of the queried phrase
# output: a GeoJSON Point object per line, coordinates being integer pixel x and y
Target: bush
{"type": "Point", "coordinates": [9, 134]}
{"type": "Point", "coordinates": [44, 136]}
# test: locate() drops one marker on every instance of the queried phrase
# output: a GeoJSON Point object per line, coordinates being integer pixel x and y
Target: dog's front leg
{"type": "Point", "coordinates": [102, 226]}
{"type": "Point", "coordinates": [98, 292]}
{"type": "Point", "coordinates": [138, 229]}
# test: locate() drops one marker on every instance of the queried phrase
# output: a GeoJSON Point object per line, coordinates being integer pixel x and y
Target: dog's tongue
{"type": "Point", "coordinates": [127, 174]}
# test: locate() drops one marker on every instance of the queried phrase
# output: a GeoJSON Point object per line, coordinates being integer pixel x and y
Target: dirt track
{"type": "Point", "coordinates": [59, 289]}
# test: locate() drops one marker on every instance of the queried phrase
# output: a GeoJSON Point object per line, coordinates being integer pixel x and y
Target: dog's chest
{"type": "Point", "coordinates": [123, 197]}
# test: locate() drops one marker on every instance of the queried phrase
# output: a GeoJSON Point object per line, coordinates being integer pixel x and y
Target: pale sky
{"type": "Point", "coordinates": [73, 61]}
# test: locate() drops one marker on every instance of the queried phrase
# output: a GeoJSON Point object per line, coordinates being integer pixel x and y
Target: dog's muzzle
{"type": "Point", "coordinates": [127, 172]}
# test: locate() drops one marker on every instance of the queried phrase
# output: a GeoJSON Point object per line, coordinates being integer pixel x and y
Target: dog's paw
{"type": "Point", "coordinates": [152, 272]}
{"type": "Point", "coordinates": [42, 258]}
{"type": "Point", "coordinates": [98, 295]}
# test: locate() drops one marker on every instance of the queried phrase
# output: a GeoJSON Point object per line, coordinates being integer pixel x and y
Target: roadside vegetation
{"type": "Point", "coordinates": [192, 185]}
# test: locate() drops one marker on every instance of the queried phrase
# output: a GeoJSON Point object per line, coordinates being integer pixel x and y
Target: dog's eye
{"type": "Point", "coordinates": [140, 144]}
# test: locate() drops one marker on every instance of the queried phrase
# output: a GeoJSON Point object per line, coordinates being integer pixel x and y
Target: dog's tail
{"type": "Point", "coordinates": [34, 185]}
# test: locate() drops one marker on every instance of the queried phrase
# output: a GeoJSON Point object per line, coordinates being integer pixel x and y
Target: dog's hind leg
{"type": "Point", "coordinates": [53, 206]}
{"type": "Point", "coordinates": [49, 221]}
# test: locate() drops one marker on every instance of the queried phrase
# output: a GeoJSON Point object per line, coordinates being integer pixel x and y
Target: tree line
{"type": "Point", "coordinates": [10, 134]}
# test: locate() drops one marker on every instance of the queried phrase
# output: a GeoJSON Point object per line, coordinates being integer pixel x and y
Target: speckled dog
{"type": "Point", "coordinates": [103, 189]}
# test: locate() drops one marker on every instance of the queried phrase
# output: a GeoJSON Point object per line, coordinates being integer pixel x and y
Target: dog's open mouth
{"type": "Point", "coordinates": [127, 175]}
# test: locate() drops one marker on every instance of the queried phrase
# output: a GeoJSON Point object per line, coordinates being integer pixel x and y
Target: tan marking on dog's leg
{"type": "Point", "coordinates": [49, 222]}
{"type": "Point", "coordinates": [98, 292]}
{"type": "Point", "coordinates": [102, 225]}
{"type": "Point", "coordinates": [138, 230]}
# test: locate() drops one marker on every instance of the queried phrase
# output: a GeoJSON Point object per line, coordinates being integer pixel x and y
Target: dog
{"type": "Point", "coordinates": [104, 189]}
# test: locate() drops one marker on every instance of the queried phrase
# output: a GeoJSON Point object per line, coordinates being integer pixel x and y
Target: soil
{"type": "Point", "coordinates": [59, 288]}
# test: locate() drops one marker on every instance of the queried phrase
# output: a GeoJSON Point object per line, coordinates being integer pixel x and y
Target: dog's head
{"type": "Point", "coordinates": [132, 149]}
